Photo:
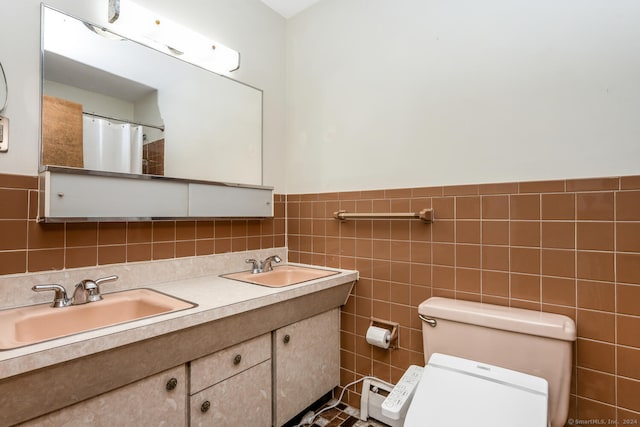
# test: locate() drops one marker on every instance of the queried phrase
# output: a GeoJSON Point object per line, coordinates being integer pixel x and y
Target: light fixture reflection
{"type": "Point", "coordinates": [146, 27]}
{"type": "Point", "coordinates": [102, 32]}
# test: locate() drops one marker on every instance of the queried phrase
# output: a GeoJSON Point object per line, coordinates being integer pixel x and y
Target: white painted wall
{"type": "Point", "coordinates": [402, 93]}
{"type": "Point", "coordinates": [248, 26]}
{"type": "Point", "coordinates": [396, 93]}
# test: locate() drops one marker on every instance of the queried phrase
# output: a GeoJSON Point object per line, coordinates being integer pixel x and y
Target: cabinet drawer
{"type": "Point", "coordinates": [242, 400]}
{"type": "Point", "coordinates": [216, 367]}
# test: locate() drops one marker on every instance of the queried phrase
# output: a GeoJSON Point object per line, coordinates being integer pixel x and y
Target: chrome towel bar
{"type": "Point", "coordinates": [425, 215]}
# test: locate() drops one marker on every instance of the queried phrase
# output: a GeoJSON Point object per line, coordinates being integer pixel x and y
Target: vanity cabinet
{"type": "Point", "coordinates": [232, 387]}
{"type": "Point", "coordinates": [159, 397]}
{"type": "Point", "coordinates": [260, 367]}
{"type": "Point", "coordinates": [306, 363]}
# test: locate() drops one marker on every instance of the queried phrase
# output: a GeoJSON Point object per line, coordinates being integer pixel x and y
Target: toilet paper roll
{"type": "Point", "coordinates": [379, 337]}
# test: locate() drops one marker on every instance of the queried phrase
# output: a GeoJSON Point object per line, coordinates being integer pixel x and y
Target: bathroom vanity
{"type": "Point", "coordinates": [246, 355]}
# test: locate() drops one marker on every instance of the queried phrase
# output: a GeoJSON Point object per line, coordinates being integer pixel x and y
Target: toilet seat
{"type": "Point", "coordinates": [456, 392]}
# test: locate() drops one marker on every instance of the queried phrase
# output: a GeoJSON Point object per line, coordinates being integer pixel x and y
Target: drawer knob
{"type": "Point", "coordinates": [171, 384]}
{"type": "Point", "coordinates": [286, 339]}
{"type": "Point", "coordinates": [205, 406]}
{"type": "Point", "coordinates": [237, 359]}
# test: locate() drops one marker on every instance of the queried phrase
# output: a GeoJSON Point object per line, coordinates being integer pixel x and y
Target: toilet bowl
{"type": "Point", "coordinates": [492, 366]}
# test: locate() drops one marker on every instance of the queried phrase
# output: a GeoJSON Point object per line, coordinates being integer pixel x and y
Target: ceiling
{"type": "Point", "coordinates": [289, 8]}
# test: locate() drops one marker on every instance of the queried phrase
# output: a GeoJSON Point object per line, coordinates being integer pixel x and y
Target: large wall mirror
{"type": "Point", "coordinates": [111, 104]}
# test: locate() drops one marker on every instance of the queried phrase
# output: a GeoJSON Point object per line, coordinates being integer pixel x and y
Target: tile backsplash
{"type": "Point", "coordinates": [568, 246]}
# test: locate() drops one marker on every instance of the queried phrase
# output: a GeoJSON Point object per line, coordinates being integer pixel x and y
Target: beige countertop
{"type": "Point", "coordinates": [216, 297]}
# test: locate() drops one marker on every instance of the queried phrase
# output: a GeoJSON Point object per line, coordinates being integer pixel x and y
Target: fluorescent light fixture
{"type": "Point", "coordinates": [147, 27]}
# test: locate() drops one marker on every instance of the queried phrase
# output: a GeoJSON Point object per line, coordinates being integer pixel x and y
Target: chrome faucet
{"type": "Point", "coordinates": [263, 266]}
{"type": "Point", "coordinates": [84, 292]}
{"type": "Point", "coordinates": [89, 290]}
{"type": "Point", "coordinates": [266, 264]}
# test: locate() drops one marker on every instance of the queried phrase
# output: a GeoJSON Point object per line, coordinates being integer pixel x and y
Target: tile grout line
{"type": "Point", "coordinates": [615, 296]}
{"type": "Point", "coordinates": [575, 269]}
{"type": "Point", "coordinates": [540, 247]}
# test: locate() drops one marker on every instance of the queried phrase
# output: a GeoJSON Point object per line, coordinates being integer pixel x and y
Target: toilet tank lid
{"type": "Point", "coordinates": [518, 320]}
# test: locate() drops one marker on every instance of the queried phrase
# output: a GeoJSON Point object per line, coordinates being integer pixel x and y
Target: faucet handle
{"type": "Point", "coordinates": [105, 279]}
{"type": "Point", "coordinates": [94, 294]}
{"type": "Point", "coordinates": [255, 265]}
{"type": "Point", "coordinates": [60, 298]}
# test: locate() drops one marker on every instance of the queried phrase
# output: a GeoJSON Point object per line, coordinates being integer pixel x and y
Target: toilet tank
{"type": "Point", "coordinates": [528, 341]}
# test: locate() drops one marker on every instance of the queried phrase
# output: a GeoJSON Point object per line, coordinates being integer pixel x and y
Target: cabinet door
{"type": "Point", "coordinates": [306, 362]}
{"type": "Point", "coordinates": [159, 400]}
{"type": "Point", "coordinates": [70, 195]}
{"type": "Point", "coordinates": [242, 400]}
{"type": "Point", "coordinates": [205, 200]}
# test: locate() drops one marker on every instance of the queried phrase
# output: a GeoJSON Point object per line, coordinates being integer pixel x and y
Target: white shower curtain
{"type": "Point", "coordinates": [113, 147]}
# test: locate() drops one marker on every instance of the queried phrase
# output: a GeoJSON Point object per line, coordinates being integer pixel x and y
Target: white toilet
{"type": "Point", "coordinates": [492, 366]}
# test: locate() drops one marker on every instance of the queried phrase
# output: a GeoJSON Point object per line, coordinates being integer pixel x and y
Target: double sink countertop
{"type": "Point", "coordinates": [216, 298]}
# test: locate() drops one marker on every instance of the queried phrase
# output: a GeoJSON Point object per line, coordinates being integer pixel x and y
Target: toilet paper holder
{"type": "Point", "coordinates": [392, 326]}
